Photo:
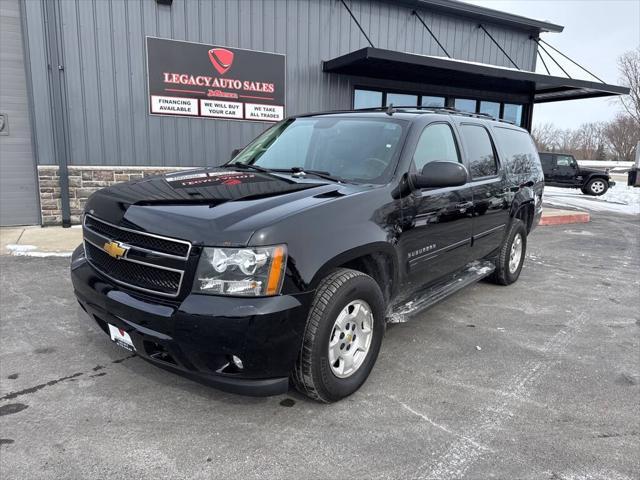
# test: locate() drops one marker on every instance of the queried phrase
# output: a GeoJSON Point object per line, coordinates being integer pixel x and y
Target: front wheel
{"type": "Point", "coordinates": [511, 254]}
{"type": "Point", "coordinates": [596, 187]}
{"type": "Point", "coordinates": [342, 337]}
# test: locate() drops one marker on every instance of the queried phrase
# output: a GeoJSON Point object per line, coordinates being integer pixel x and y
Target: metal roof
{"type": "Point", "coordinates": [390, 64]}
{"type": "Point", "coordinates": [481, 13]}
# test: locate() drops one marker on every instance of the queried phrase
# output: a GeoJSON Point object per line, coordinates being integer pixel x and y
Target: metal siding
{"type": "Point", "coordinates": [104, 46]}
{"type": "Point", "coordinates": [18, 184]}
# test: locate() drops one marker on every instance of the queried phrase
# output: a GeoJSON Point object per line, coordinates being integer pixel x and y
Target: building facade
{"type": "Point", "coordinates": [96, 97]}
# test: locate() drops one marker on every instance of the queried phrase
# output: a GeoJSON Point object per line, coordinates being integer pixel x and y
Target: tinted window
{"type": "Point", "coordinates": [512, 113]}
{"type": "Point", "coordinates": [436, 144]}
{"type": "Point", "coordinates": [465, 105]}
{"type": "Point", "coordinates": [289, 149]}
{"type": "Point", "coordinates": [355, 149]}
{"type": "Point", "coordinates": [367, 99]}
{"type": "Point", "coordinates": [482, 159]}
{"type": "Point", "coordinates": [401, 99]}
{"type": "Point", "coordinates": [546, 159]}
{"type": "Point", "coordinates": [428, 101]}
{"type": "Point", "coordinates": [519, 154]}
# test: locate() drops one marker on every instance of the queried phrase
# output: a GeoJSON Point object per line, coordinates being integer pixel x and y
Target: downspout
{"type": "Point", "coordinates": [58, 103]}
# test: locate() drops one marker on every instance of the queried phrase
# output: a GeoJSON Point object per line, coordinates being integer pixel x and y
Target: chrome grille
{"type": "Point", "coordinates": [138, 239]}
{"type": "Point", "coordinates": [150, 263]}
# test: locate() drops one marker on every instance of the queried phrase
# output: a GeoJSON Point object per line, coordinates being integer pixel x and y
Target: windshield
{"type": "Point", "coordinates": [354, 149]}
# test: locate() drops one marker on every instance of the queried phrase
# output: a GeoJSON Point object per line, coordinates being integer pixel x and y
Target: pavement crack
{"type": "Point", "coordinates": [120, 360]}
{"type": "Point", "coordinates": [11, 408]}
{"type": "Point", "coordinates": [27, 391]}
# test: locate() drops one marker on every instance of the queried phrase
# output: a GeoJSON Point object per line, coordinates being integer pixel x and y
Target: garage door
{"type": "Point", "coordinates": [18, 184]}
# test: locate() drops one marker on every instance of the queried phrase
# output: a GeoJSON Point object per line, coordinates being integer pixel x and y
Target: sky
{"type": "Point", "coordinates": [595, 33]}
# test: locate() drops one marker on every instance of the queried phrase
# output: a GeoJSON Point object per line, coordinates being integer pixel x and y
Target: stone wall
{"type": "Point", "coordinates": [83, 181]}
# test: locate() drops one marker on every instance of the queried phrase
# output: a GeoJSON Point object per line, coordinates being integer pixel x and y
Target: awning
{"type": "Point", "coordinates": [390, 64]}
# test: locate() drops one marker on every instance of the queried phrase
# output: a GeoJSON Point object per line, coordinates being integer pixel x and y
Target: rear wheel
{"type": "Point", "coordinates": [342, 337]}
{"type": "Point", "coordinates": [596, 187]}
{"type": "Point", "coordinates": [511, 254]}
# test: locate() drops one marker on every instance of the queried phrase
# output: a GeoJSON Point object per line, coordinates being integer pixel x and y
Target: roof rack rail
{"type": "Point", "coordinates": [391, 109]}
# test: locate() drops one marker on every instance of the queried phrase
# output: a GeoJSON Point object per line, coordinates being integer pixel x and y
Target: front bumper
{"type": "Point", "coordinates": [196, 337]}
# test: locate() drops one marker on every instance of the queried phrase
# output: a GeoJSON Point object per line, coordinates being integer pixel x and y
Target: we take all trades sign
{"type": "Point", "coordinates": [197, 80]}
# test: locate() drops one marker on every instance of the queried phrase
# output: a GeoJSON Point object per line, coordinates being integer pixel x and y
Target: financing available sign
{"type": "Point", "coordinates": [197, 80]}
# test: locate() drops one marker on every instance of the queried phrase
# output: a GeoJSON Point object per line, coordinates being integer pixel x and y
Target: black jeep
{"type": "Point", "coordinates": [562, 170]}
{"type": "Point", "coordinates": [287, 262]}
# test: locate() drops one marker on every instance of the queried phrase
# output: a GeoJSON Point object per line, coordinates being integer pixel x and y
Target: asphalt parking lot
{"type": "Point", "coordinates": [539, 380]}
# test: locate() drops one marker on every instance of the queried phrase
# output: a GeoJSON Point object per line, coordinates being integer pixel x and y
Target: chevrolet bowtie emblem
{"type": "Point", "coordinates": [115, 249]}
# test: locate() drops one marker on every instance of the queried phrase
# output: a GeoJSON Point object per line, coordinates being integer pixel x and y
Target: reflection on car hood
{"type": "Point", "coordinates": [209, 206]}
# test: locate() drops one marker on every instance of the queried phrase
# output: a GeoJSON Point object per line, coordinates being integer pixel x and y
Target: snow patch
{"type": "Point", "coordinates": [619, 199]}
{"type": "Point", "coordinates": [585, 233]}
{"type": "Point", "coordinates": [32, 251]}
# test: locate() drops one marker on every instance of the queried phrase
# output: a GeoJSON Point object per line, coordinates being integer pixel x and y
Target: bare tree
{"type": "Point", "coordinates": [622, 135]}
{"type": "Point", "coordinates": [587, 138]}
{"type": "Point", "coordinates": [546, 137]}
{"type": "Point", "coordinates": [629, 65]}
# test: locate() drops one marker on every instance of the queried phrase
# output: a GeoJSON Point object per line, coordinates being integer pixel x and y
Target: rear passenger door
{"type": "Point", "coordinates": [436, 235]}
{"type": "Point", "coordinates": [491, 197]}
{"type": "Point", "coordinates": [546, 159]}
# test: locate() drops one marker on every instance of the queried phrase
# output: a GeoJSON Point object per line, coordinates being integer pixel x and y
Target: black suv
{"type": "Point", "coordinates": [562, 170]}
{"type": "Point", "coordinates": [287, 262]}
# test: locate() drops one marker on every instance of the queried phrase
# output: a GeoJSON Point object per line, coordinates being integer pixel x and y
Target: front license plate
{"type": "Point", "coordinates": [121, 337]}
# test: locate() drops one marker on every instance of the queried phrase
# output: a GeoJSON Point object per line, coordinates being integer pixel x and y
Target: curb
{"type": "Point", "coordinates": [563, 217]}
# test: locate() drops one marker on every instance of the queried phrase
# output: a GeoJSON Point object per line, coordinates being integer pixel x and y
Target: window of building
{"type": "Point", "coordinates": [429, 101]}
{"type": "Point", "coordinates": [490, 108]}
{"type": "Point", "coordinates": [401, 99]}
{"type": "Point", "coordinates": [371, 98]}
{"type": "Point", "coordinates": [436, 144]}
{"type": "Point", "coordinates": [367, 99]}
{"type": "Point", "coordinates": [512, 113]}
{"type": "Point", "coordinates": [482, 158]}
{"type": "Point", "coordinates": [465, 105]}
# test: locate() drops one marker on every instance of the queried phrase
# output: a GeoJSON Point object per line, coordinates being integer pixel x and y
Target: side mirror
{"type": "Point", "coordinates": [440, 175]}
{"type": "Point", "coordinates": [235, 152]}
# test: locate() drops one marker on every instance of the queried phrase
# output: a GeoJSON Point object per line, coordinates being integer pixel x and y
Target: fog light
{"type": "Point", "coordinates": [237, 362]}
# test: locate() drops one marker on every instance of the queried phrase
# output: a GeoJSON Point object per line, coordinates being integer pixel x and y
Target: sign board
{"type": "Point", "coordinates": [208, 81]}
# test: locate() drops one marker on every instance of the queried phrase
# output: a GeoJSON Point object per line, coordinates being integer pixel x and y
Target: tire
{"type": "Point", "coordinates": [341, 292]}
{"type": "Point", "coordinates": [596, 187]}
{"type": "Point", "coordinates": [505, 273]}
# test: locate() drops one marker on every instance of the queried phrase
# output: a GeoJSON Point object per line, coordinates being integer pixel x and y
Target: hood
{"type": "Point", "coordinates": [589, 171]}
{"type": "Point", "coordinates": [212, 206]}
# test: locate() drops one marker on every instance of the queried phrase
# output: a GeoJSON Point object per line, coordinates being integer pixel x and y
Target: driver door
{"type": "Point", "coordinates": [565, 169]}
{"type": "Point", "coordinates": [437, 223]}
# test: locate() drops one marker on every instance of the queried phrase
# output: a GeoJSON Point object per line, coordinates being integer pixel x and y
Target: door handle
{"type": "Point", "coordinates": [464, 205]}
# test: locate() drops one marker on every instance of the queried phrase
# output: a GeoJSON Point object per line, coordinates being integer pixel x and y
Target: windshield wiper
{"type": "Point", "coordinates": [317, 173]}
{"type": "Point", "coordinates": [299, 170]}
{"type": "Point", "coordinates": [247, 166]}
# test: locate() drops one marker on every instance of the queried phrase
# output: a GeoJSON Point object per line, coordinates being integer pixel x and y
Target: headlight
{"type": "Point", "coordinates": [248, 272]}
